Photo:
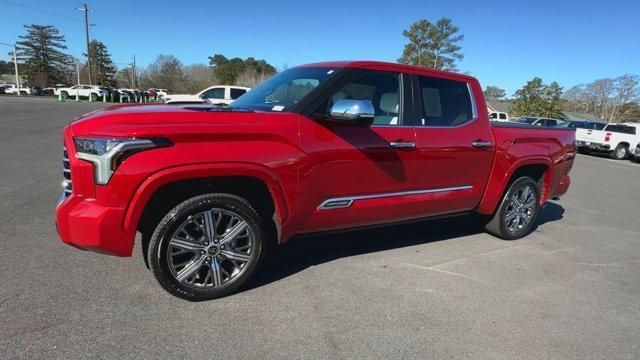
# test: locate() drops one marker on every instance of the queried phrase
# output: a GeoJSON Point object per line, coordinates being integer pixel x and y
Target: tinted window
{"type": "Point", "coordinates": [493, 115]}
{"type": "Point", "coordinates": [215, 93]}
{"type": "Point", "coordinates": [236, 93]}
{"type": "Point", "coordinates": [621, 129]}
{"type": "Point", "coordinates": [444, 102]}
{"type": "Point", "coordinates": [598, 126]}
{"type": "Point", "coordinates": [503, 116]}
{"type": "Point", "coordinates": [551, 122]}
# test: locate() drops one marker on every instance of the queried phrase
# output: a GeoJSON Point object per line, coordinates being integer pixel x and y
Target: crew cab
{"type": "Point", "coordinates": [320, 147]}
{"type": "Point", "coordinates": [217, 95]}
{"type": "Point", "coordinates": [92, 92]}
{"type": "Point", "coordinates": [617, 140]}
{"type": "Point", "coordinates": [13, 89]}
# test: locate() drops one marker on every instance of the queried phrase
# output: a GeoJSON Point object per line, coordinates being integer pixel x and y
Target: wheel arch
{"type": "Point", "coordinates": [537, 168]}
{"type": "Point", "coordinates": [175, 184]}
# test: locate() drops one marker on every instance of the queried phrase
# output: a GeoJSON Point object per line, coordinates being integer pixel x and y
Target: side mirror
{"type": "Point", "coordinates": [358, 112]}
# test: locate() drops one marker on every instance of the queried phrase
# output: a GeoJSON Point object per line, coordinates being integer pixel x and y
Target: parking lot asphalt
{"type": "Point", "coordinates": [440, 289]}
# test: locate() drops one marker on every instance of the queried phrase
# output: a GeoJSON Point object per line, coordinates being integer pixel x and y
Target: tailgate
{"type": "Point", "coordinates": [590, 135]}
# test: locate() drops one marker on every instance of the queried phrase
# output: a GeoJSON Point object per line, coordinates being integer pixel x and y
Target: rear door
{"type": "Point", "coordinates": [454, 147]}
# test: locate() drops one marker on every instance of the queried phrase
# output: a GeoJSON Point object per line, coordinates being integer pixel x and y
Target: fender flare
{"type": "Point", "coordinates": [493, 194]}
{"type": "Point", "coordinates": [143, 193]}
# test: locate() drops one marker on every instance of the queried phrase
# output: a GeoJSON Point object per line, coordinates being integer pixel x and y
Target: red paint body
{"type": "Point", "coordinates": [304, 162]}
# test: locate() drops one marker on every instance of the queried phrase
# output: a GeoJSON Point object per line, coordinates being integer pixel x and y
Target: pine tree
{"type": "Point", "coordinates": [102, 67]}
{"type": "Point", "coordinates": [433, 45]}
{"type": "Point", "coordinates": [41, 51]}
{"type": "Point", "coordinates": [538, 99]}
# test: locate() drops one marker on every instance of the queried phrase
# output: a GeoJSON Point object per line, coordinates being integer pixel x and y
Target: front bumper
{"type": "Point", "coordinates": [593, 146]}
{"type": "Point", "coordinates": [87, 225]}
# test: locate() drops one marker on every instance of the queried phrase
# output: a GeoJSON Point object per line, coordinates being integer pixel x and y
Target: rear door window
{"type": "Point", "coordinates": [236, 93]}
{"type": "Point", "coordinates": [445, 103]}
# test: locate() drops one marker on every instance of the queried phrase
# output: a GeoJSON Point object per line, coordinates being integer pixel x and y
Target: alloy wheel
{"type": "Point", "coordinates": [210, 249]}
{"type": "Point", "coordinates": [520, 209]}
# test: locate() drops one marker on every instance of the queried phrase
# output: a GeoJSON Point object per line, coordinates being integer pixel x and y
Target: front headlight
{"type": "Point", "coordinates": [107, 154]}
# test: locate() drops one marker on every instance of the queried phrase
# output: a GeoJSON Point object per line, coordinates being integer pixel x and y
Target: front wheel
{"type": "Point", "coordinates": [517, 211]}
{"type": "Point", "coordinates": [207, 247]}
{"type": "Point", "coordinates": [620, 153]}
{"type": "Point", "coordinates": [65, 95]}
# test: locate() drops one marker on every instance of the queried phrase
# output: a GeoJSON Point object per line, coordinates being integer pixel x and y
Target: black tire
{"type": "Point", "coordinates": [65, 95]}
{"type": "Point", "coordinates": [584, 151]}
{"type": "Point", "coordinates": [93, 97]}
{"type": "Point", "coordinates": [23, 93]}
{"type": "Point", "coordinates": [497, 225]}
{"type": "Point", "coordinates": [618, 153]}
{"type": "Point", "coordinates": [159, 244]}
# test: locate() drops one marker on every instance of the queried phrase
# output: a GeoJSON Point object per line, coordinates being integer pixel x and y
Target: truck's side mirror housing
{"type": "Point", "coordinates": [359, 112]}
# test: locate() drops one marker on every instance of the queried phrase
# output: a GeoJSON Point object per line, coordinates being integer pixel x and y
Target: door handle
{"type": "Point", "coordinates": [402, 144]}
{"type": "Point", "coordinates": [481, 144]}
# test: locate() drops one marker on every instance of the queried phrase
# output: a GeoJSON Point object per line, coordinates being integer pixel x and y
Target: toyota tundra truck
{"type": "Point", "coordinates": [317, 148]}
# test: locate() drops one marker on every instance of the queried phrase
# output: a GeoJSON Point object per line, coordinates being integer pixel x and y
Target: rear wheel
{"type": "Point", "coordinates": [93, 97]}
{"type": "Point", "coordinates": [517, 211]}
{"type": "Point", "coordinates": [620, 153]}
{"type": "Point", "coordinates": [65, 95]}
{"type": "Point", "coordinates": [207, 247]}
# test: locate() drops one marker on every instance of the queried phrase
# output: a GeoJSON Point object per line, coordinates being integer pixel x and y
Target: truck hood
{"type": "Point", "coordinates": [159, 120]}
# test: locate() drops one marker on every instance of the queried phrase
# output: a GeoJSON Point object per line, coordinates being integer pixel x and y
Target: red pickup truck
{"type": "Point", "coordinates": [316, 148]}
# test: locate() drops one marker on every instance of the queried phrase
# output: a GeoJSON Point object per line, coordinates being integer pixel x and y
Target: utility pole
{"type": "Point", "coordinates": [86, 10]}
{"type": "Point", "coordinates": [78, 71]}
{"type": "Point", "coordinates": [15, 64]}
{"type": "Point", "coordinates": [133, 71]}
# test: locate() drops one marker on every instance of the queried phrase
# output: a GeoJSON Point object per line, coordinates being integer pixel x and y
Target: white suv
{"type": "Point", "coordinates": [616, 139]}
{"type": "Point", "coordinates": [217, 95]}
{"type": "Point", "coordinates": [92, 92]}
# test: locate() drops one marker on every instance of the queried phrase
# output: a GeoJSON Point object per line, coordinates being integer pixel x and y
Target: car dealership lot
{"type": "Point", "coordinates": [441, 289]}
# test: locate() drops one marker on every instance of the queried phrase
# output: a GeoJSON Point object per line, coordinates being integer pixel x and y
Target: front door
{"type": "Point", "coordinates": [454, 148]}
{"type": "Point", "coordinates": [352, 175]}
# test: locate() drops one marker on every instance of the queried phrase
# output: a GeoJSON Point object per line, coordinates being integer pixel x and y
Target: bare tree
{"type": "Point", "coordinates": [197, 77]}
{"type": "Point", "coordinates": [608, 99]}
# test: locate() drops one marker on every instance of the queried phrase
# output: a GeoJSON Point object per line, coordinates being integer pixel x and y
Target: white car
{"type": "Point", "coordinates": [160, 93]}
{"type": "Point", "coordinates": [498, 116]}
{"type": "Point", "coordinates": [93, 92]}
{"type": "Point", "coordinates": [618, 140]}
{"type": "Point", "coordinates": [217, 95]}
{"type": "Point", "coordinates": [13, 89]}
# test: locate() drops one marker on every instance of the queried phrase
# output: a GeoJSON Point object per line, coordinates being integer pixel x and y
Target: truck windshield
{"type": "Point", "coordinates": [284, 90]}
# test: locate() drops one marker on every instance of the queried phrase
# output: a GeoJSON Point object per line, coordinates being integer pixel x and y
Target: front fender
{"type": "Point", "coordinates": [166, 176]}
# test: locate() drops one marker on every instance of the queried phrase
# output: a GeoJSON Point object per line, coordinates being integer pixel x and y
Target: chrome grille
{"type": "Point", "coordinates": [66, 172]}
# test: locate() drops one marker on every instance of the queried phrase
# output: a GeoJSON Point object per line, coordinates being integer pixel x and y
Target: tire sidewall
{"type": "Point", "coordinates": [159, 244]}
{"type": "Point", "coordinates": [515, 186]}
{"type": "Point", "coordinates": [618, 150]}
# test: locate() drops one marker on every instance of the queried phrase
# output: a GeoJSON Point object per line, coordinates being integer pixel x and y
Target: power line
{"type": "Point", "coordinates": [40, 10]}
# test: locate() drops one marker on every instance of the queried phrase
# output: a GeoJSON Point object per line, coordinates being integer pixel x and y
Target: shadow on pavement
{"type": "Point", "coordinates": [301, 253]}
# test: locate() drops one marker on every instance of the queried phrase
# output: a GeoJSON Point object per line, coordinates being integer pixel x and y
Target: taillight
{"type": "Point", "coordinates": [607, 137]}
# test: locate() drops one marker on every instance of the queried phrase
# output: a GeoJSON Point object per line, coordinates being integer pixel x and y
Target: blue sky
{"type": "Point", "coordinates": [506, 42]}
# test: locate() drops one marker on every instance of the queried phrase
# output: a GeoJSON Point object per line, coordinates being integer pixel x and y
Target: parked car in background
{"type": "Point", "coordinates": [618, 140]}
{"type": "Point", "coordinates": [212, 189]}
{"type": "Point", "coordinates": [13, 89]}
{"type": "Point", "coordinates": [2, 87]}
{"type": "Point", "coordinates": [92, 92]}
{"type": "Point", "coordinates": [539, 121]}
{"type": "Point", "coordinates": [156, 93]}
{"type": "Point", "coordinates": [585, 124]}
{"type": "Point", "coordinates": [37, 90]}
{"type": "Point", "coordinates": [48, 91]}
{"type": "Point", "coordinates": [216, 95]}
{"type": "Point", "coordinates": [498, 116]}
